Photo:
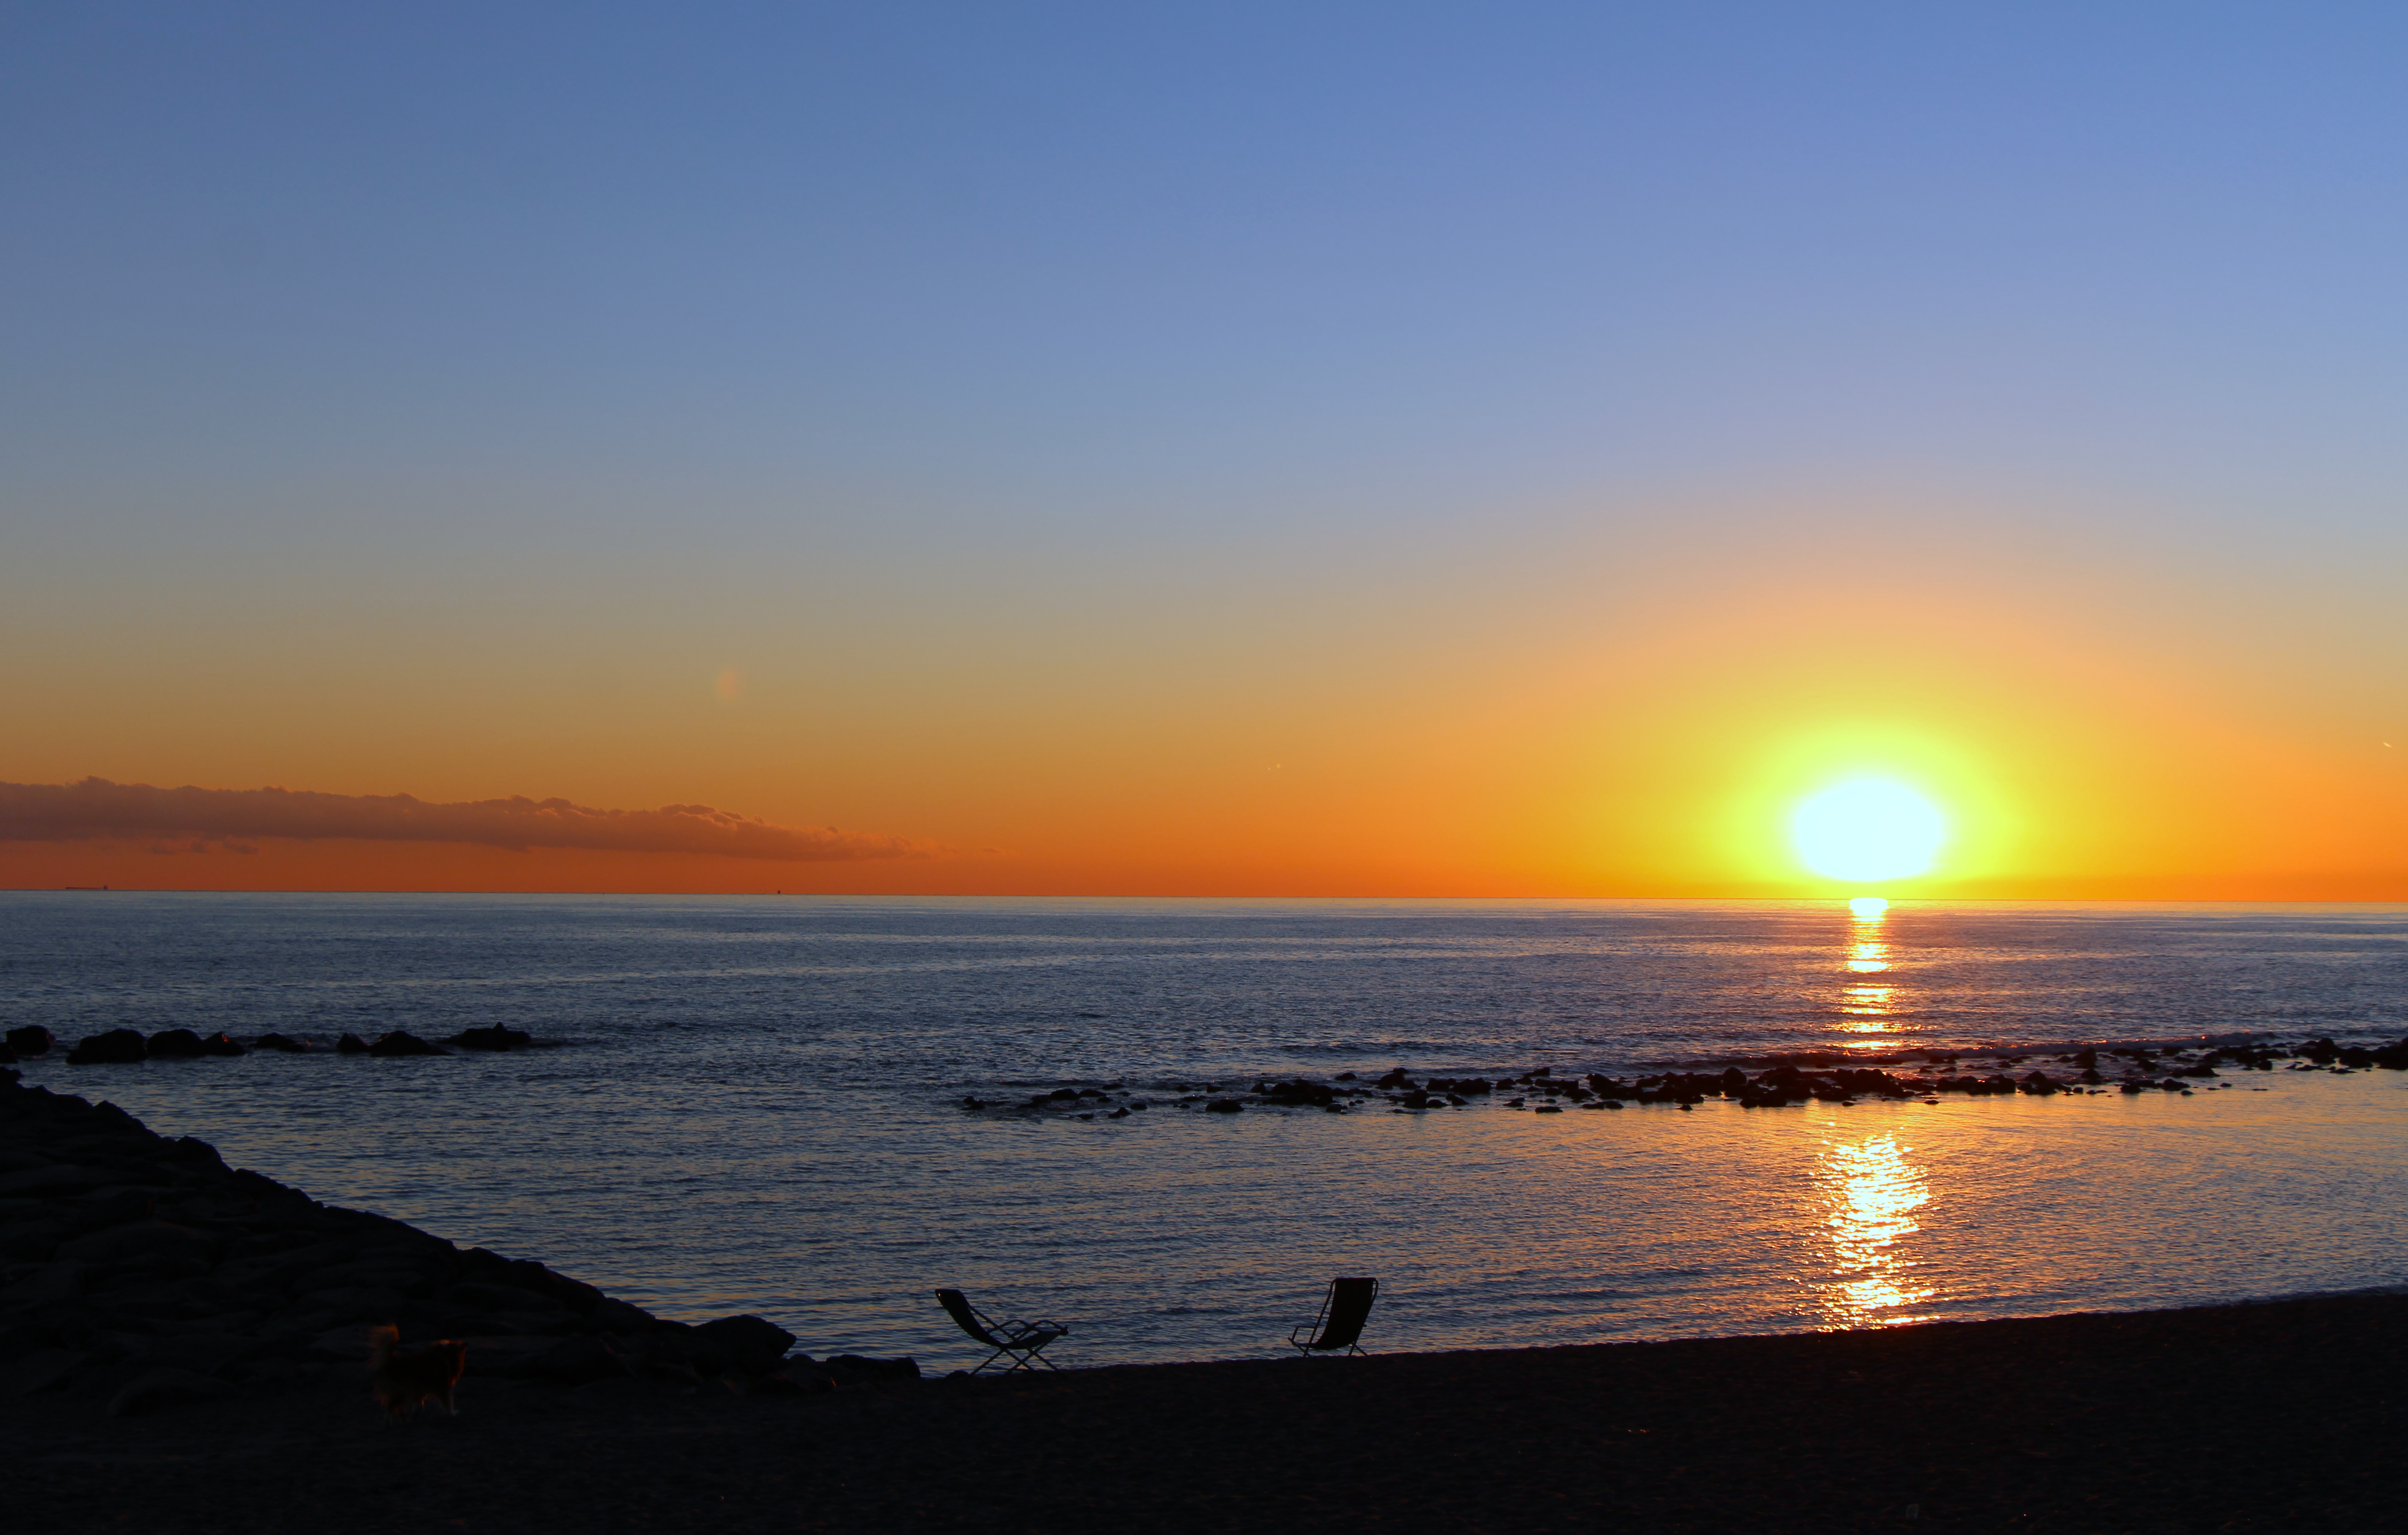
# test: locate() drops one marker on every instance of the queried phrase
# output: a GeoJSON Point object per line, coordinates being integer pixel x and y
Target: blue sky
{"type": "Point", "coordinates": [1162, 259]}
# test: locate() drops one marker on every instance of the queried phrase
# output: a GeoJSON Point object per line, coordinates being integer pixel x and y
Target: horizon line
{"type": "Point", "coordinates": [1090, 895]}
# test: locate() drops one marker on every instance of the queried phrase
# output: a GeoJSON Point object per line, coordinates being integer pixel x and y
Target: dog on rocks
{"type": "Point", "coordinates": [405, 1383]}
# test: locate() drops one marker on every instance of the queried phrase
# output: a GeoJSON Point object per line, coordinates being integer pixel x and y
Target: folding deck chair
{"type": "Point", "coordinates": [1343, 1312]}
{"type": "Point", "coordinates": [1018, 1341]}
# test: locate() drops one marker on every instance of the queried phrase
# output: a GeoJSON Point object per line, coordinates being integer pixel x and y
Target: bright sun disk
{"type": "Point", "coordinates": [1868, 828]}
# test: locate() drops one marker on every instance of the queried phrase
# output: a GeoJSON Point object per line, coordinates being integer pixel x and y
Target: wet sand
{"type": "Point", "coordinates": [2278, 1416]}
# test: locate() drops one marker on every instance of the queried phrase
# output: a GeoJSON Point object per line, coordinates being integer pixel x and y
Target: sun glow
{"type": "Point", "coordinates": [1868, 828]}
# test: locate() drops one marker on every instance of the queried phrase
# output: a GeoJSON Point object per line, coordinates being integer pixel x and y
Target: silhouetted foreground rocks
{"type": "Point", "coordinates": [148, 1274]}
{"type": "Point", "coordinates": [1922, 1075]}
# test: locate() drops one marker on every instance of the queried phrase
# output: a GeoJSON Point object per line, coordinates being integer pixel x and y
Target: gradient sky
{"type": "Point", "coordinates": [1297, 448]}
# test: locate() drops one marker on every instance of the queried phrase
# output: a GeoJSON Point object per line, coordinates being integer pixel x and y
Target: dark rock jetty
{"type": "Point", "coordinates": [147, 1272]}
{"type": "Point", "coordinates": [1820, 1078]}
{"type": "Point", "coordinates": [130, 1047]}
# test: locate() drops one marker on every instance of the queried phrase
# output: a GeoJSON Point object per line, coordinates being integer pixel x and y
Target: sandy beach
{"type": "Point", "coordinates": [2282, 1416]}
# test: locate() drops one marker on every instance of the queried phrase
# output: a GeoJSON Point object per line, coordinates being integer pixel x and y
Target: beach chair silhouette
{"type": "Point", "coordinates": [1018, 1341]}
{"type": "Point", "coordinates": [1343, 1312]}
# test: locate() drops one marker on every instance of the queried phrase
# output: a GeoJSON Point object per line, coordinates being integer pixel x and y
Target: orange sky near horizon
{"type": "Point", "coordinates": [1618, 715]}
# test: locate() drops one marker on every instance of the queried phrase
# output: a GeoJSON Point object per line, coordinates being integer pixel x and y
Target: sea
{"type": "Point", "coordinates": [755, 1104]}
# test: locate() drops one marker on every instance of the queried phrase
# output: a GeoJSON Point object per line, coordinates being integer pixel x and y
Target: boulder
{"type": "Point", "coordinates": [166, 1388]}
{"type": "Point", "coordinates": [30, 1040]}
{"type": "Point", "coordinates": [1300, 1092]}
{"type": "Point", "coordinates": [402, 1042]}
{"type": "Point", "coordinates": [495, 1037]}
{"type": "Point", "coordinates": [175, 1044]}
{"type": "Point", "coordinates": [118, 1047]}
{"type": "Point", "coordinates": [194, 1152]}
{"type": "Point", "coordinates": [276, 1269]}
{"type": "Point", "coordinates": [351, 1044]}
{"type": "Point", "coordinates": [361, 1303]}
{"type": "Point", "coordinates": [747, 1344]}
{"type": "Point", "coordinates": [58, 1181]}
{"type": "Point", "coordinates": [1223, 1106]}
{"type": "Point", "coordinates": [140, 1240]}
{"type": "Point", "coordinates": [619, 1317]}
{"type": "Point", "coordinates": [376, 1273]}
{"type": "Point", "coordinates": [283, 1042]}
{"type": "Point", "coordinates": [537, 1279]}
{"type": "Point", "coordinates": [221, 1043]}
{"type": "Point", "coordinates": [479, 1294]}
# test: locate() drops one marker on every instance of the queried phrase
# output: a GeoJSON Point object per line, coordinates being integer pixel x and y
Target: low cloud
{"type": "Point", "coordinates": [96, 808]}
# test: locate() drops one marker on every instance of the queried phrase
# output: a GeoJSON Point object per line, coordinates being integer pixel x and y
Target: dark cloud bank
{"type": "Point", "coordinates": [95, 808]}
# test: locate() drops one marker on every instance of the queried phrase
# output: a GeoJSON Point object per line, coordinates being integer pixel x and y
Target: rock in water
{"type": "Point", "coordinates": [118, 1047]}
{"type": "Point", "coordinates": [175, 1044]}
{"type": "Point", "coordinates": [402, 1042]}
{"type": "Point", "coordinates": [32, 1039]}
{"type": "Point", "coordinates": [495, 1037]}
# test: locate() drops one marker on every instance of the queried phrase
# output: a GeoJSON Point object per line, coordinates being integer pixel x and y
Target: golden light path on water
{"type": "Point", "coordinates": [1870, 1194]}
{"type": "Point", "coordinates": [1866, 1005]}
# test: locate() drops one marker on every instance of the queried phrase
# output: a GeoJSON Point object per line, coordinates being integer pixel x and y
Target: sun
{"type": "Point", "coordinates": [1868, 828]}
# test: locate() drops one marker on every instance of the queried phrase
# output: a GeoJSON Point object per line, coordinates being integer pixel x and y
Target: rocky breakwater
{"type": "Point", "coordinates": [1828, 1076]}
{"type": "Point", "coordinates": [148, 1269]}
{"type": "Point", "coordinates": [130, 1047]}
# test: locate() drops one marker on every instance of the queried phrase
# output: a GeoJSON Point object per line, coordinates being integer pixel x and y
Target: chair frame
{"type": "Point", "coordinates": [1018, 1341]}
{"type": "Point", "coordinates": [1307, 1340]}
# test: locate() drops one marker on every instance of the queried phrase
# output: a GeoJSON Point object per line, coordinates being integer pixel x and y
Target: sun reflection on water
{"type": "Point", "coordinates": [1870, 1191]}
{"type": "Point", "coordinates": [1866, 1005]}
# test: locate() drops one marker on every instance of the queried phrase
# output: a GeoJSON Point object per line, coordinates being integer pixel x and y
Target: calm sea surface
{"type": "Point", "coordinates": [757, 1109]}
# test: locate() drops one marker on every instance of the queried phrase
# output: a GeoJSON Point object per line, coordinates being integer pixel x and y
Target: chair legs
{"type": "Point", "coordinates": [1021, 1359]}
